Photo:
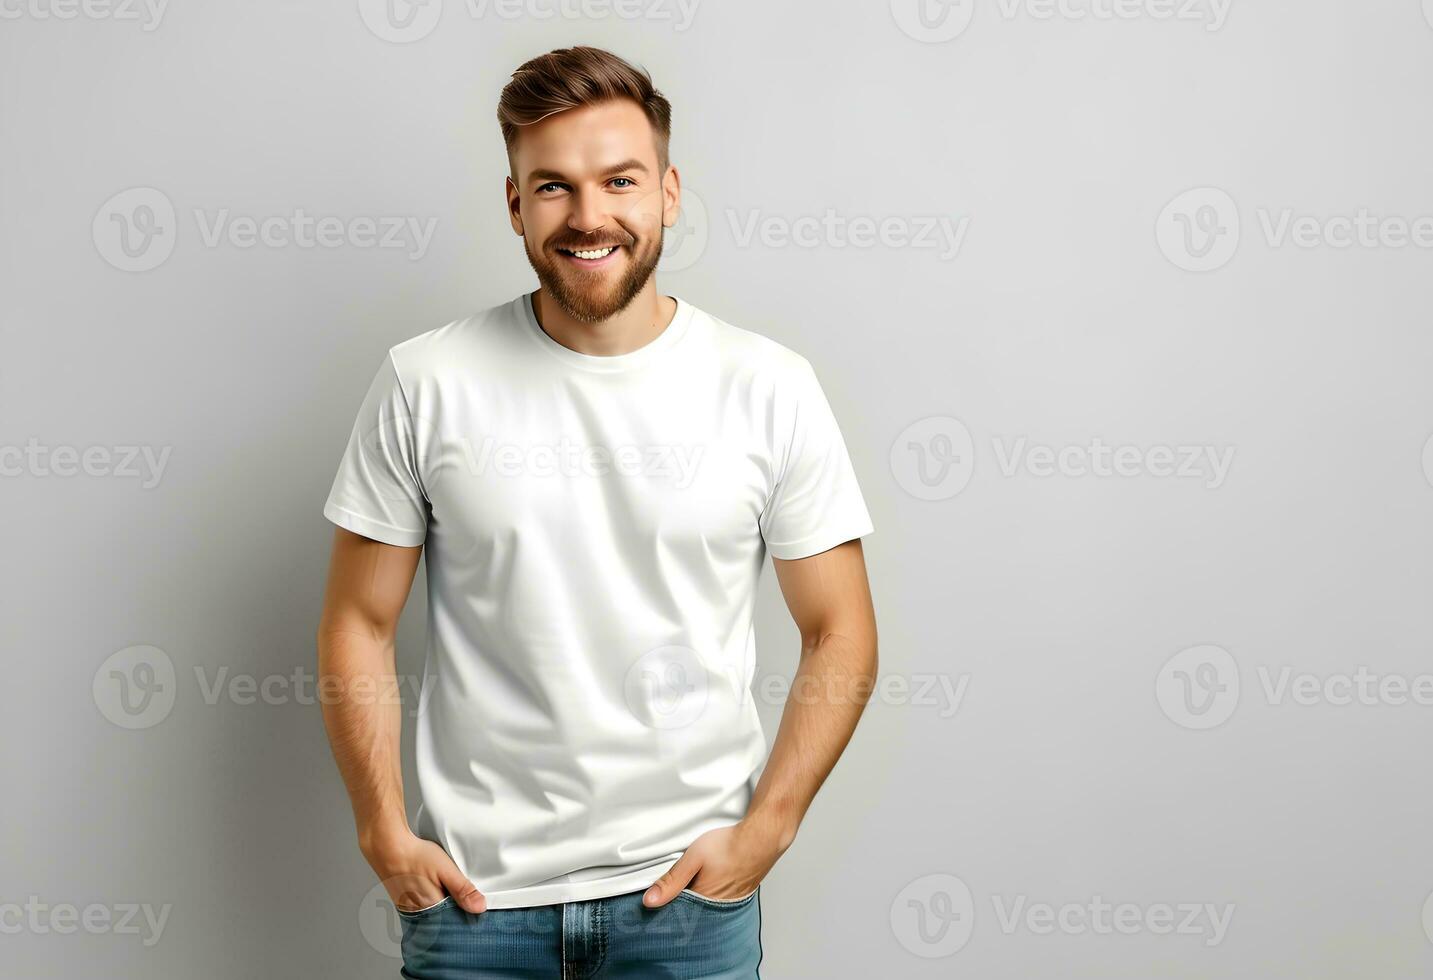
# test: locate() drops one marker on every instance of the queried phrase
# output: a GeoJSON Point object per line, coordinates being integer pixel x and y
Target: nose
{"type": "Point", "coordinates": [587, 214]}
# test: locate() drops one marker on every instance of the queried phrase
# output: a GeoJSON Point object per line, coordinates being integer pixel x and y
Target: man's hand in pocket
{"type": "Point", "coordinates": [418, 873]}
{"type": "Point", "coordinates": [723, 864]}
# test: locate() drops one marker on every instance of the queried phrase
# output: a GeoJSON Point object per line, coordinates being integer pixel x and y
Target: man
{"type": "Point", "coordinates": [597, 472]}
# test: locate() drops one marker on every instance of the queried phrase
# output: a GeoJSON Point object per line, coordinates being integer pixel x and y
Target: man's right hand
{"type": "Point", "coordinates": [418, 873]}
{"type": "Point", "coordinates": [368, 583]}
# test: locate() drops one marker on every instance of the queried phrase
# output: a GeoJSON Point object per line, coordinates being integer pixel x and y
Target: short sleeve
{"type": "Point", "coordinates": [378, 490]}
{"type": "Point", "coordinates": [816, 502]}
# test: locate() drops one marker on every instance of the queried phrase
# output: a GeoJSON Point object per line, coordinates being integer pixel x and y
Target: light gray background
{"type": "Point", "coordinates": [1065, 316]}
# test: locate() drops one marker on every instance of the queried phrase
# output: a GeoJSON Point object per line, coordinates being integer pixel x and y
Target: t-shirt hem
{"type": "Point", "coordinates": [583, 891]}
{"type": "Point", "coordinates": [823, 540]}
{"type": "Point", "coordinates": [369, 528]}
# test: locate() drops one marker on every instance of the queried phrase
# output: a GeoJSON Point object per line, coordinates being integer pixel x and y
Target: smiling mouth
{"type": "Point", "coordinates": [590, 254]}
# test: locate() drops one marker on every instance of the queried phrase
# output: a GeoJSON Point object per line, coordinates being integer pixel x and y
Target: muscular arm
{"type": "Point", "coordinates": [830, 599]}
{"type": "Point", "coordinates": [368, 584]}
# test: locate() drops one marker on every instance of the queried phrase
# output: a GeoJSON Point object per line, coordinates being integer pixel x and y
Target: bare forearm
{"type": "Point", "coordinates": [833, 682]}
{"type": "Point", "coordinates": [363, 715]}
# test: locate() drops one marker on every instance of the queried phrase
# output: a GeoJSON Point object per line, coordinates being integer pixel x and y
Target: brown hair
{"type": "Point", "coordinates": [578, 76]}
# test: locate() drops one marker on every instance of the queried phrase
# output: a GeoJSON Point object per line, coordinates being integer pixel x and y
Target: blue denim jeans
{"type": "Point", "coordinates": [692, 936]}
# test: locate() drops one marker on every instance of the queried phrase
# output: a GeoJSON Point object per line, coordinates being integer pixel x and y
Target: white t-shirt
{"type": "Point", "coordinates": [595, 528]}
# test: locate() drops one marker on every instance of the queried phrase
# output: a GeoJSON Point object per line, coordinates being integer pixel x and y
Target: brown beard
{"type": "Point", "coordinates": [575, 291]}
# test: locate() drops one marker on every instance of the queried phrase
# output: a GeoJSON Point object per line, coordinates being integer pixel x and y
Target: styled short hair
{"type": "Point", "coordinates": [578, 76]}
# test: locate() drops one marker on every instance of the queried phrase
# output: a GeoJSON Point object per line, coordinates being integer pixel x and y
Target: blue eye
{"type": "Point", "coordinates": [627, 179]}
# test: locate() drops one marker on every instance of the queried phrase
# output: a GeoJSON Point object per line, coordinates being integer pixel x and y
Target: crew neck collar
{"type": "Point", "coordinates": [608, 363]}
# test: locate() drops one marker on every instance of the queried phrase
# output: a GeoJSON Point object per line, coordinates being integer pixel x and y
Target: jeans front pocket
{"type": "Point", "coordinates": [419, 913]}
{"type": "Point", "coordinates": [717, 903]}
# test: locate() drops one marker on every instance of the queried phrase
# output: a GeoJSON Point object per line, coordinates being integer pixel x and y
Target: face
{"type": "Point", "coordinates": [591, 205]}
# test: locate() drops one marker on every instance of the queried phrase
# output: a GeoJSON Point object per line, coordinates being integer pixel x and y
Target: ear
{"type": "Point", "coordinates": [671, 197]}
{"type": "Point", "coordinates": [514, 205]}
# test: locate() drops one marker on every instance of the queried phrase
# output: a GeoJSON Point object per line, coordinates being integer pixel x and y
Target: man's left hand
{"type": "Point", "coordinates": [724, 864]}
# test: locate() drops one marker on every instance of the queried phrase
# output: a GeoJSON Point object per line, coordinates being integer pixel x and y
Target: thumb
{"type": "Point", "coordinates": [464, 892]}
{"type": "Point", "coordinates": [665, 888]}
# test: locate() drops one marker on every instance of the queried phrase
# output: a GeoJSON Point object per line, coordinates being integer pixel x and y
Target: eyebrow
{"type": "Point", "coordinates": [625, 165]}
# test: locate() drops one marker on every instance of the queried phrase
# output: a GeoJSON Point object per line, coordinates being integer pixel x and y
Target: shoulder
{"type": "Point", "coordinates": [750, 352]}
{"type": "Point", "coordinates": [435, 352]}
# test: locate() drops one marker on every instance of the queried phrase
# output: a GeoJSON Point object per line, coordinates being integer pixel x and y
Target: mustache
{"type": "Point", "coordinates": [591, 241]}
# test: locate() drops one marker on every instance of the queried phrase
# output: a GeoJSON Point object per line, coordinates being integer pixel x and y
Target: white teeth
{"type": "Point", "coordinates": [595, 253]}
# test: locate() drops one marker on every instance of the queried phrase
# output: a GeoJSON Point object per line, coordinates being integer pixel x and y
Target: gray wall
{"type": "Point", "coordinates": [1118, 382]}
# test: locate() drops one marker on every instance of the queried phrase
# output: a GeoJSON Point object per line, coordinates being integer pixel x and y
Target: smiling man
{"type": "Point", "coordinates": [594, 473]}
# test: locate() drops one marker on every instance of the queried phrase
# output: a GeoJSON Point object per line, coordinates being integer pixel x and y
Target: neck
{"type": "Point", "coordinates": [636, 326]}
